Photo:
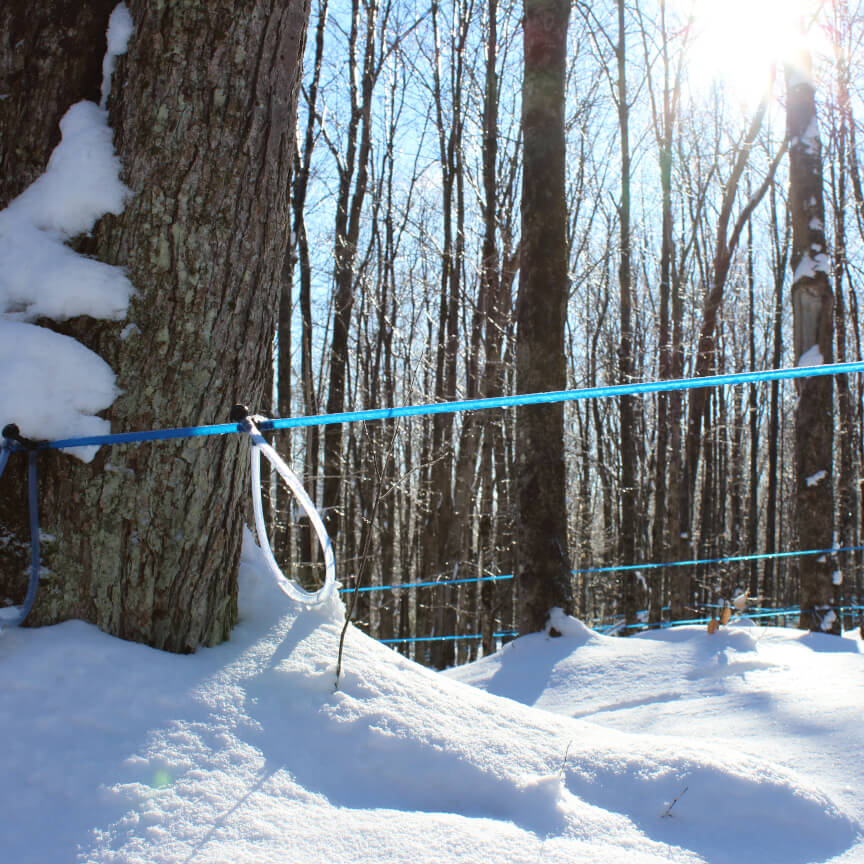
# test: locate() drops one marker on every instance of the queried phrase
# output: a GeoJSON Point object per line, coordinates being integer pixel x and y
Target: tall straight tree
{"type": "Point", "coordinates": [145, 540]}
{"type": "Point", "coordinates": [632, 597]}
{"type": "Point", "coordinates": [542, 558]}
{"type": "Point", "coordinates": [812, 306]}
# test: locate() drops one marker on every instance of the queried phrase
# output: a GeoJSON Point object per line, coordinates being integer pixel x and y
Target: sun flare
{"type": "Point", "coordinates": [737, 43]}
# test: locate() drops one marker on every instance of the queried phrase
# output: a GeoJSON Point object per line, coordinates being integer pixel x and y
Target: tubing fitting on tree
{"type": "Point", "coordinates": [238, 413]}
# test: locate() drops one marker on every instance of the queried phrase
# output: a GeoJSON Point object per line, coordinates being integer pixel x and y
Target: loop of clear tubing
{"type": "Point", "coordinates": [292, 589]}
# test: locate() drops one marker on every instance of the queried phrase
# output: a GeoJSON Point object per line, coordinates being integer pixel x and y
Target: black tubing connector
{"type": "Point", "coordinates": [11, 432]}
{"type": "Point", "coordinates": [238, 413]}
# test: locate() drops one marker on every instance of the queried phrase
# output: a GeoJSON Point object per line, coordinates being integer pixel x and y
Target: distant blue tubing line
{"type": "Point", "coordinates": [467, 405]}
{"type": "Point", "coordinates": [446, 638]}
{"type": "Point", "coordinates": [614, 568]}
{"type": "Point", "coordinates": [728, 560]}
{"type": "Point", "coordinates": [756, 613]}
{"type": "Point", "coordinates": [425, 584]}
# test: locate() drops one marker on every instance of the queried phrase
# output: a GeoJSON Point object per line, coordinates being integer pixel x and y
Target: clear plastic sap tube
{"type": "Point", "coordinates": [292, 589]}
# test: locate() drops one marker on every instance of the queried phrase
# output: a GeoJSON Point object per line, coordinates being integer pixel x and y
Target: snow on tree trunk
{"type": "Point", "coordinates": [145, 541]}
{"type": "Point", "coordinates": [541, 516]}
{"type": "Point", "coordinates": [40, 78]}
{"type": "Point", "coordinates": [812, 304]}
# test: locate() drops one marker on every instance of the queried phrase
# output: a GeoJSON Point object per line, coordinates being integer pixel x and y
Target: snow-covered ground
{"type": "Point", "coordinates": [566, 750]}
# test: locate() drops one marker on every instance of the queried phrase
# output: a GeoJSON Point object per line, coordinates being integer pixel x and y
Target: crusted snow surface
{"type": "Point", "coordinates": [567, 749]}
{"type": "Point", "coordinates": [757, 699]}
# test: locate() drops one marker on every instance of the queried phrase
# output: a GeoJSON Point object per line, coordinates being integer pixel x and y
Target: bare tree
{"type": "Point", "coordinates": [543, 566]}
{"type": "Point", "coordinates": [812, 305]}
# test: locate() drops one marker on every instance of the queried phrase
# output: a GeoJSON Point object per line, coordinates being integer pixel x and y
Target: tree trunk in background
{"type": "Point", "coordinates": [299, 188]}
{"type": "Point", "coordinates": [752, 414]}
{"type": "Point", "coordinates": [846, 481]}
{"type": "Point", "coordinates": [353, 182]}
{"type": "Point", "coordinates": [147, 537]}
{"type": "Point", "coordinates": [633, 597]}
{"type": "Point", "coordinates": [780, 253]}
{"type": "Point", "coordinates": [812, 305]}
{"type": "Point", "coordinates": [543, 566]}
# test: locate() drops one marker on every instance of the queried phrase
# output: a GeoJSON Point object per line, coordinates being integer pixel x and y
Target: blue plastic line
{"type": "Point", "coordinates": [137, 437]}
{"type": "Point", "coordinates": [600, 628]}
{"type": "Point", "coordinates": [731, 559]}
{"type": "Point", "coordinates": [4, 456]}
{"type": "Point", "coordinates": [604, 392]}
{"type": "Point", "coordinates": [756, 613]}
{"type": "Point", "coordinates": [35, 557]}
{"type": "Point", "coordinates": [425, 584]}
{"type": "Point", "coordinates": [446, 638]}
{"type": "Point", "coordinates": [615, 568]}
{"type": "Point", "coordinates": [466, 405]}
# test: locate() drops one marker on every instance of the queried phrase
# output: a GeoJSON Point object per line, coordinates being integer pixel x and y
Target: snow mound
{"type": "Point", "coordinates": [247, 753]}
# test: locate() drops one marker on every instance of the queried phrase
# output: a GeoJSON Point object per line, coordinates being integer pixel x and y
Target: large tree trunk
{"type": "Point", "coordinates": [146, 539]}
{"type": "Point", "coordinates": [543, 565]}
{"type": "Point", "coordinates": [812, 305]}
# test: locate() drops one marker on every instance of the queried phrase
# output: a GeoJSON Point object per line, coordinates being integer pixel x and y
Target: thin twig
{"type": "Point", "coordinates": [564, 760]}
{"type": "Point", "coordinates": [674, 802]}
{"type": "Point", "coordinates": [380, 472]}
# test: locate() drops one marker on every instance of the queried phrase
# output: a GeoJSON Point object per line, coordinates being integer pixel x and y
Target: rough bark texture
{"type": "Point", "coordinates": [812, 304]}
{"type": "Point", "coordinates": [50, 57]}
{"type": "Point", "coordinates": [543, 565]}
{"type": "Point", "coordinates": [146, 539]}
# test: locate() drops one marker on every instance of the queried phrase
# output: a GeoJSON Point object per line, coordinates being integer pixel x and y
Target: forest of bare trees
{"type": "Point", "coordinates": [683, 260]}
{"type": "Point", "coordinates": [412, 243]}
